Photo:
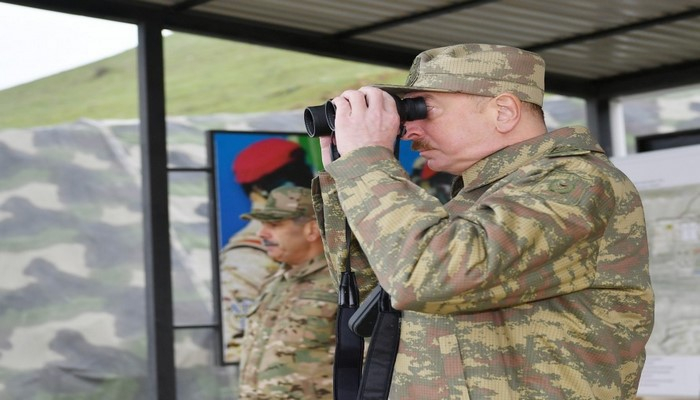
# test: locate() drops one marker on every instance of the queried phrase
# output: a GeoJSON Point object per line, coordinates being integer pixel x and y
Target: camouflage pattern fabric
{"type": "Point", "coordinates": [289, 343]}
{"type": "Point", "coordinates": [244, 267]}
{"type": "Point", "coordinates": [72, 298]}
{"type": "Point", "coordinates": [72, 293]}
{"type": "Point", "coordinates": [286, 202]}
{"type": "Point", "coordinates": [479, 69]}
{"type": "Point", "coordinates": [531, 283]}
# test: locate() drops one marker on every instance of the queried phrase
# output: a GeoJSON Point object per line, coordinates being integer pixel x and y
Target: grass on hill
{"type": "Point", "coordinates": [202, 76]}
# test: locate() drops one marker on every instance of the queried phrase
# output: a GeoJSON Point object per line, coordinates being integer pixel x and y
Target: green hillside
{"type": "Point", "coordinates": [203, 76]}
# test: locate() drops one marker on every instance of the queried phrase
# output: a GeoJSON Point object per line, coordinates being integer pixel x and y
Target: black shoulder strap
{"type": "Point", "coordinates": [348, 381]}
{"type": "Point", "coordinates": [349, 347]}
{"type": "Point", "coordinates": [381, 355]}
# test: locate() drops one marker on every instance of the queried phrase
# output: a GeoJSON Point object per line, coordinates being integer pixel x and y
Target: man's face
{"type": "Point", "coordinates": [456, 132]}
{"type": "Point", "coordinates": [285, 240]}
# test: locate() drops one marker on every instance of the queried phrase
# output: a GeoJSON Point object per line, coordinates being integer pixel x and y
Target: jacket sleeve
{"type": "Point", "coordinates": [332, 224]}
{"type": "Point", "coordinates": [526, 240]}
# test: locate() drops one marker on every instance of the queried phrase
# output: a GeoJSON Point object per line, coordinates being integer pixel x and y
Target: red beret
{"type": "Point", "coordinates": [261, 158]}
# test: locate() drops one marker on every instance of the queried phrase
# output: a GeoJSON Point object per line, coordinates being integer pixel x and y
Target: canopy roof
{"type": "Point", "coordinates": [593, 48]}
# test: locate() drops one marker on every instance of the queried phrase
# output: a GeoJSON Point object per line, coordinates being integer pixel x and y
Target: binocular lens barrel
{"type": "Point", "coordinates": [316, 121]}
{"type": "Point", "coordinates": [411, 109]}
{"type": "Point", "coordinates": [320, 120]}
{"type": "Point", "coordinates": [330, 114]}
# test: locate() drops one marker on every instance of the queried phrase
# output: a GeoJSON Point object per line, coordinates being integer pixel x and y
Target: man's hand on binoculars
{"type": "Point", "coordinates": [364, 117]}
{"type": "Point", "coordinates": [326, 153]}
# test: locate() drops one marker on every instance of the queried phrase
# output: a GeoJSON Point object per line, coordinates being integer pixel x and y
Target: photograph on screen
{"type": "Point", "coordinates": [246, 166]}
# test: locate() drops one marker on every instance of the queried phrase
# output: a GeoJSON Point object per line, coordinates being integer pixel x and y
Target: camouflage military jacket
{"type": "Point", "coordinates": [243, 267]}
{"type": "Point", "coordinates": [289, 343]}
{"type": "Point", "coordinates": [531, 283]}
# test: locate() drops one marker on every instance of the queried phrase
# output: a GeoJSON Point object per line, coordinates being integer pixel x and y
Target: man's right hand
{"type": "Point", "coordinates": [326, 156]}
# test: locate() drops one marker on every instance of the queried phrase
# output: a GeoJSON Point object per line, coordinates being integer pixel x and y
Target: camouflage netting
{"type": "Point", "coordinates": [72, 294]}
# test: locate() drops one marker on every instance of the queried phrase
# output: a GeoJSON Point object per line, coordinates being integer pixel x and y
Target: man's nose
{"type": "Point", "coordinates": [411, 131]}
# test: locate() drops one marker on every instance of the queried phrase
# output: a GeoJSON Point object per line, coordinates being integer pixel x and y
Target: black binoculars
{"type": "Point", "coordinates": [320, 120]}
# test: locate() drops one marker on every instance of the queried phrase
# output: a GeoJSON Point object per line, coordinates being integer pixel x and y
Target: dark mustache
{"type": "Point", "coordinates": [420, 145]}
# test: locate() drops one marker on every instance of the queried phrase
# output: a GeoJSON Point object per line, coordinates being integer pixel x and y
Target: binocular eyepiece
{"type": "Point", "coordinates": [320, 120]}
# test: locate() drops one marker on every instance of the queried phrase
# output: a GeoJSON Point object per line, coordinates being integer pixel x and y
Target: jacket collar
{"type": "Point", "coordinates": [574, 140]}
{"type": "Point", "coordinates": [300, 271]}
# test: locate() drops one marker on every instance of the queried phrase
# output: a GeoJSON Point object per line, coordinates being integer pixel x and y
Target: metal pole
{"type": "Point", "coordinates": [598, 120]}
{"type": "Point", "coordinates": [154, 159]}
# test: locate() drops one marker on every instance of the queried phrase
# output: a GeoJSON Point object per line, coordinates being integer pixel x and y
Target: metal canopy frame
{"type": "Point", "coordinates": [644, 47]}
{"type": "Point", "coordinates": [639, 41]}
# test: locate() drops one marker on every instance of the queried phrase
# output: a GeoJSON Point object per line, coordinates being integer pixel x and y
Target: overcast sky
{"type": "Point", "coordinates": [36, 43]}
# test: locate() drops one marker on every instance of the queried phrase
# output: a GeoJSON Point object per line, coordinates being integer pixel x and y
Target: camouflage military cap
{"type": "Point", "coordinates": [284, 202]}
{"type": "Point", "coordinates": [480, 69]}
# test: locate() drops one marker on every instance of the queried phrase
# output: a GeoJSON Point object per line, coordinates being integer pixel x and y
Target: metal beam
{"type": "Point", "coordinates": [342, 46]}
{"type": "Point", "coordinates": [666, 77]}
{"type": "Point", "coordinates": [567, 86]}
{"type": "Point", "coordinates": [290, 39]}
{"type": "Point", "coordinates": [232, 29]}
{"type": "Point", "coordinates": [104, 9]}
{"type": "Point", "coordinates": [598, 122]}
{"type": "Point", "coordinates": [432, 12]}
{"type": "Point", "coordinates": [154, 160]}
{"type": "Point", "coordinates": [187, 4]}
{"type": "Point", "coordinates": [605, 33]}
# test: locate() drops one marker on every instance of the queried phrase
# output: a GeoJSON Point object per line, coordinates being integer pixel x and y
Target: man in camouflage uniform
{"type": "Point", "coordinates": [243, 262]}
{"type": "Point", "coordinates": [533, 281]}
{"type": "Point", "coordinates": [288, 347]}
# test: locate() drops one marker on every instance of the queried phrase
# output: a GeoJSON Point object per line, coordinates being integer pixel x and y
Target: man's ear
{"type": "Point", "coordinates": [311, 231]}
{"type": "Point", "coordinates": [508, 112]}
